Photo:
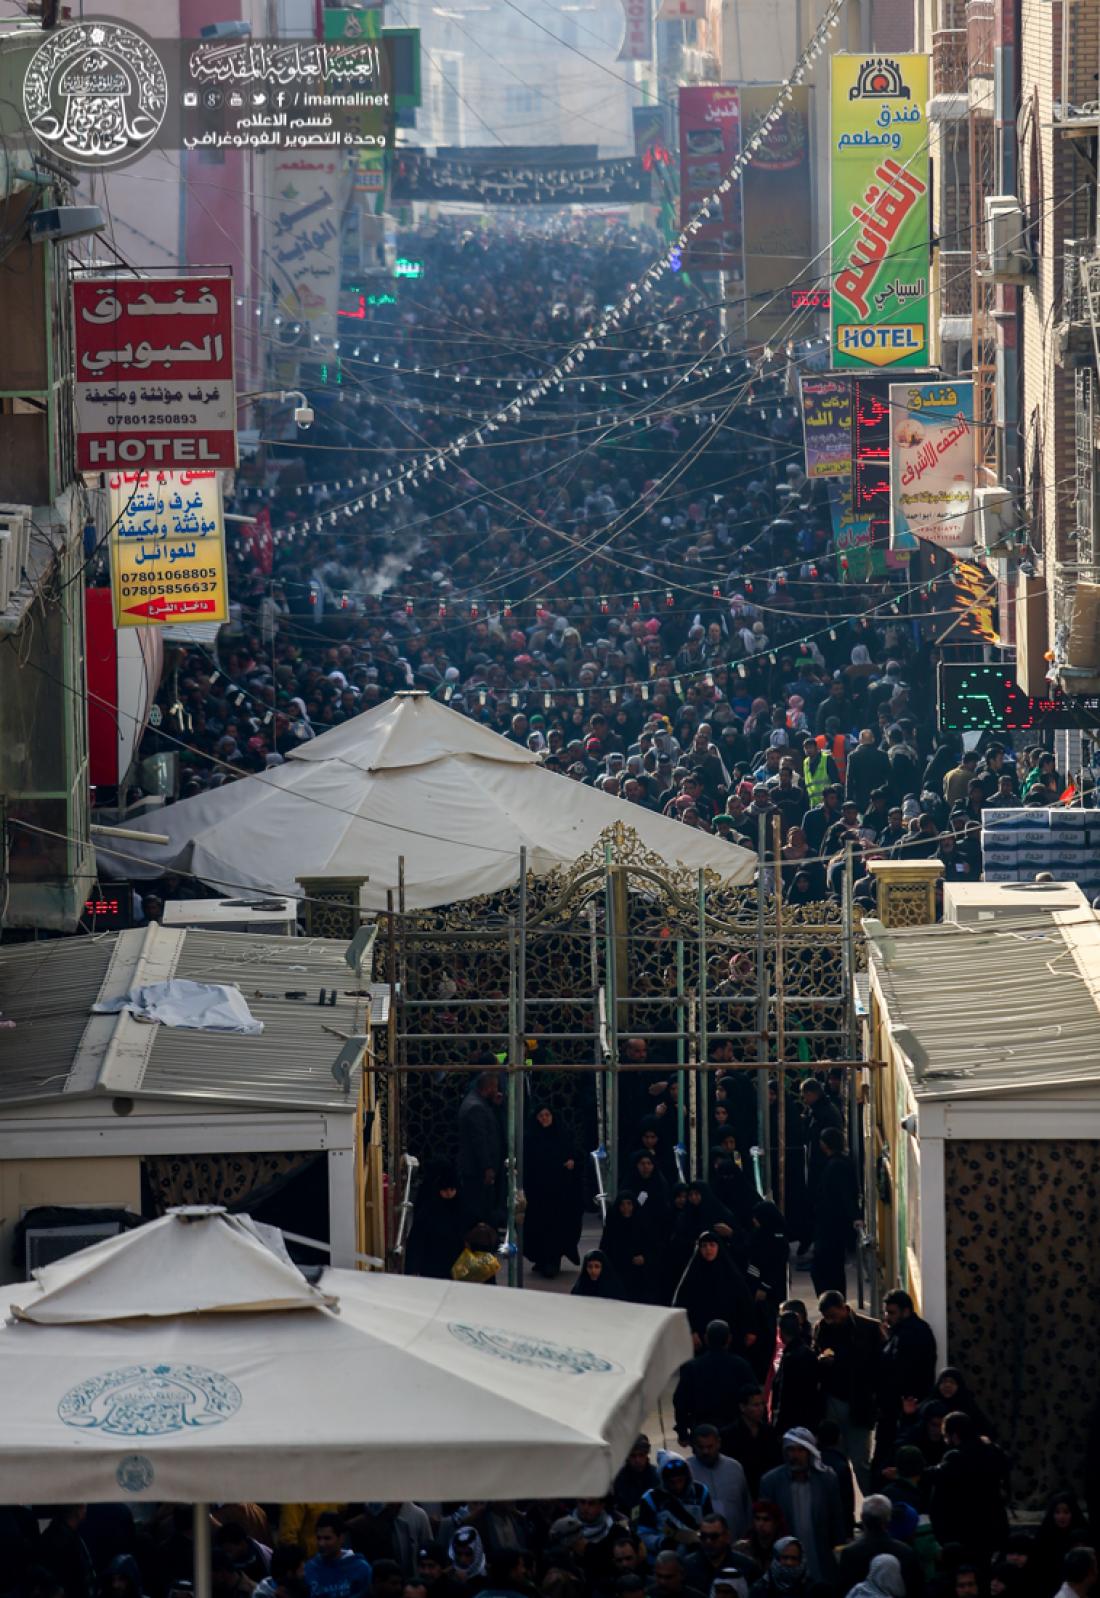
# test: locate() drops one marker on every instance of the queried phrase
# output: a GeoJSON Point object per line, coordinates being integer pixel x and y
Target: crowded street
{"type": "Point", "coordinates": [549, 739]}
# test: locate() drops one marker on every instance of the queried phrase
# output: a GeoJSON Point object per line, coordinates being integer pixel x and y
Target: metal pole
{"type": "Point", "coordinates": [200, 1536]}
{"type": "Point", "coordinates": [611, 1088]}
{"type": "Point", "coordinates": [393, 1087]}
{"type": "Point", "coordinates": [780, 1027]}
{"type": "Point", "coordinates": [703, 1054]}
{"type": "Point", "coordinates": [847, 977]}
{"type": "Point", "coordinates": [680, 1076]}
{"type": "Point", "coordinates": [599, 1002]}
{"type": "Point", "coordinates": [693, 1091]}
{"type": "Point", "coordinates": [763, 1107]}
{"type": "Point", "coordinates": [521, 1054]}
{"type": "Point", "coordinates": [512, 1244]}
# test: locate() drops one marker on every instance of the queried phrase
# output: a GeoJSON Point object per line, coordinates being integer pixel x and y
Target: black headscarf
{"type": "Point", "coordinates": [439, 1225]}
{"type": "Point", "coordinates": [715, 1290]}
{"type": "Point", "coordinates": [608, 1285]}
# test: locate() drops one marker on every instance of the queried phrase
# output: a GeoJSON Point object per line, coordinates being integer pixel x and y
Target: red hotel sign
{"type": "Point", "coordinates": [154, 372]}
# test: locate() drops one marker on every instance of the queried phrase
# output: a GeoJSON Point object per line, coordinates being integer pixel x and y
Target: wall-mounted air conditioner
{"type": "Point", "coordinates": [1006, 238]}
{"type": "Point", "coordinates": [15, 538]}
{"type": "Point", "coordinates": [997, 529]}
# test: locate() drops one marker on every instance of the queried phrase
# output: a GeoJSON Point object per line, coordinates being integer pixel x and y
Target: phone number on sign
{"type": "Point", "coordinates": [151, 421]}
{"type": "Point", "coordinates": [184, 587]}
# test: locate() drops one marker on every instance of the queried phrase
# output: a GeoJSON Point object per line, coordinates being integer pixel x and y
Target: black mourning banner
{"type": "Point", "coordinates": [548, 182]}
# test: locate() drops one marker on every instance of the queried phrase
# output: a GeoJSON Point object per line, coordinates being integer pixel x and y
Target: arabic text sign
{"type": "Point", "coordinates": [311, 194]}
{"type": "Point", "coordinates": [154, 372]}
{"type": "Point", "coordinates": [167, 547]}
{"type": "Point", "coordinates": [827, 424]}
{"type": "Point", "coordinates": [710, 142]}
{"type": "Point", "coordinates": [777, 206]}
{"type": "Point", "coordinates": [880, 198]}
{"type": "Point", "coordinates": [932, 463]}
{"type": "Point", "coordinates": [418, 176]}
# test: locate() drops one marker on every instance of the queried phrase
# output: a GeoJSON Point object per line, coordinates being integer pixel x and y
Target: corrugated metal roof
{"type": "Point", "coordinates": [991, 1009]}
{"type": "Point", "coordinates": [58, 1047]}
{"type": "Point", "coordinates": [47, 989]}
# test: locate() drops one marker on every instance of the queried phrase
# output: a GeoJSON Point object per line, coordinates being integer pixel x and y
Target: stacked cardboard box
{"type": "Point", "coordinates": [1018, 844]}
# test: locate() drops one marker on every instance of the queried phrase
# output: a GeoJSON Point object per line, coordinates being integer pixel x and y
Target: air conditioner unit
{"type": "Point", "coordinates": [264, 913]}
{"type": "Point", "coordinates": [997, 522]}
{"type": "Point", "coordinates": [15, 538]}
{"type": "Point", "coordinates": [45, 1245]}
{"type": "Point", "coordinates": [1006, 240]}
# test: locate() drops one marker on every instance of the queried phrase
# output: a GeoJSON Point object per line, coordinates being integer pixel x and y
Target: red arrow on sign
{"type": "Point", "coordinates": [160, 609]}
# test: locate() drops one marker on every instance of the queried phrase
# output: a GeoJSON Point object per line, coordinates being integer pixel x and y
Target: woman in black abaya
{"type": "Point", "coordinates": [625, 1242]}
{"type": "Point", "coordinates": [439, 1226]}
{"type": "Point", "coordinates": [552, 1223]}
{"type": "Point", "coordinates": [598, 1278]}
{"type": "Point", "coordinates": [713, 1289]}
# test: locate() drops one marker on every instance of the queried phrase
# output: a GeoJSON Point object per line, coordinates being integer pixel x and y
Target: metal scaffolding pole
{"type": "Point", "coordinates": [681, 1084]}
{"type": "Point", "coordinates": [611, 984]}
{"type": "Point", "coordinates": [703, 1055]}
{"type": "Point", "coordinates": [763, 1105]}
{"type": "Point", "coordinates": [780, 1026]}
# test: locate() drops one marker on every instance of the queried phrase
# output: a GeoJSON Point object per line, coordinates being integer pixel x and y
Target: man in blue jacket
{"type": "Point", "coordinates": [334, 1571]}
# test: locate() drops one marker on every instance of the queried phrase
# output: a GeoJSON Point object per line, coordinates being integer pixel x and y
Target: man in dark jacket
{"type": "Point", "coordinates": [836, 1210]}
{"type": "Point", "coordinates": [481, 1150]}
{"type": "Point", "coordinates": [854, 1560]}
{"type": "Point", "coordinates": [907, 1366]}
{"type": "Point", "coordinates": [710, 1384]}
{"type": "Point", "coordinates": [848, 1346]}
{"type": "Point", "coordinates": [751, 1440]}
{"type": "Point", "coordinates": [818, 1112]}
{"type": "Point", "coordinates": [868, 768]}
{"type": "Point", "coordinates": [968, 1491]}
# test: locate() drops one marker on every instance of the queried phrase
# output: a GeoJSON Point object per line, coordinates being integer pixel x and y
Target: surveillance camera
{"type": "Point", "coordinates": [303, 415]}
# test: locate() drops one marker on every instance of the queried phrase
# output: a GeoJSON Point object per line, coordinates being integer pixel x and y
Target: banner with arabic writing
{"type": "Point", "coordinates": [827, 426]}
{"type": "Point", "coordinates": [880, 210]}
{"type": "Point", "coordinates": [154, 371]}
{"type": "Point", "coordinates": [777, 202]}
{"type": "Point", "coordinates": [167, 548]}
{"type": "Point", "coordinates": [710, 142]}
{"type": "Point", "coordinates": [417, 176]}
{"type": "Point", "coordinates": [932, 464]}
{"type": "Point", "coordinates": [311, 192]}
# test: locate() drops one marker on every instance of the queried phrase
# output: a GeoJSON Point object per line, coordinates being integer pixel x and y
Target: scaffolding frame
{"type": "Point", "coordinates": [602, 927]}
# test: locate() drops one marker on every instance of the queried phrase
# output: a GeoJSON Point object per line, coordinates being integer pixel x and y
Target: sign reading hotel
{"type": "Point", "coordinates": [154, 372]}
{"type": "Point", "coordinates": [880, 211]}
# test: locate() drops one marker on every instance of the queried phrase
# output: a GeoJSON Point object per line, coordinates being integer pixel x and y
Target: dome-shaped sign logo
{"type": "Point", "coordinates": [95, 93]}
{"type": "Point", "coordinates": [150, 1400]}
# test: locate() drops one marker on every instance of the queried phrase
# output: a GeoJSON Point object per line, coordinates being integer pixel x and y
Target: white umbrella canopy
{"type": "Point", "coordinates": [187, 1362]}
{"type": "Point", "coordinates": [409, 779]}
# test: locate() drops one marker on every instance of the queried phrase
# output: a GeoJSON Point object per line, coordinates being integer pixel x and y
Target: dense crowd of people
{"type": "Point", "coordinates": [634, 578]}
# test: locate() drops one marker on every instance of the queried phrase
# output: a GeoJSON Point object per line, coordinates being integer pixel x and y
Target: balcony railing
{"type": "Point", "coordinates": [979, 39]}
{"type": "Point", "coordinates": [955, 283]}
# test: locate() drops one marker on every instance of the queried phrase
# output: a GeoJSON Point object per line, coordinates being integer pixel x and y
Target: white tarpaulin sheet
{"type": "Point", "coordinates": [408, 1388]}
{"type": "Point", "coordinates": [413, 780]}
{"type": "Point", "coordinates": [199, 1006]}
